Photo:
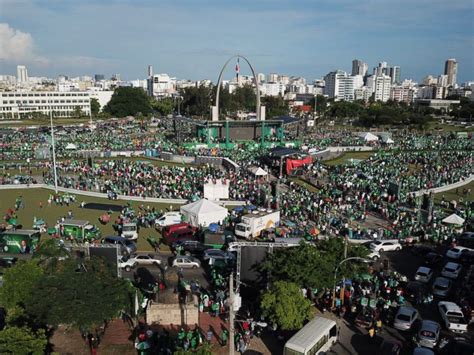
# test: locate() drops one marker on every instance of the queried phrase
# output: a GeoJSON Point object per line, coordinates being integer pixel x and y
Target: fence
{"type": "Point", "coordinates": [446, 187]}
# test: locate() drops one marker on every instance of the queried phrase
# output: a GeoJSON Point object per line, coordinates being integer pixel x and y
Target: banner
{"type": "Point", "coordinates": [292, 164]}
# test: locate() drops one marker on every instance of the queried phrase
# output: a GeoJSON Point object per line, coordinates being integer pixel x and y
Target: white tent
{"type": "Point", "coordinates": [257, 171]}
{"type": "Point", "coordinates": [203, 212]}
{"type": "Point", "coordinates": [215, 190]}
{"type": "Point", "coordinates": [454, 219]}
{"type": "Point", "coordinates": [387, 140]}
{"type": "Point", "coordinates": [369, 137]}
{"type": "Point", "coordinates": [71, 146]}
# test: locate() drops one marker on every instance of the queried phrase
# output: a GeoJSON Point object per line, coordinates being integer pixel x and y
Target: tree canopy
{"type": "Point", "coordinates": [95, 106]}
{"type": "Point", "coordinates": [81, 296]}
{"type": "Point", "coordinates": [128, 101]}
{"type": "Point", "coordinates": [312, 265]}
{"type": "Point", "coordinates": [22, 340]}
{"type": "Point", "coordinates": [285, 305]}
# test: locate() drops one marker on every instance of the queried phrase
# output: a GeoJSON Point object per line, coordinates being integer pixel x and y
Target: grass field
{"type": "Point", "coordinates": [50, 214]}
{"type": "Point", "coordinates": [452, 195]}
{"type": "Point", "coordinates": [304, 184]}
{"type": "Point", "coordinates": [344, 158]}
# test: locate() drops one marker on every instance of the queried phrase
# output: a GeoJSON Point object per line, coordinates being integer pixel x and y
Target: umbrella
{"type": "Point", "coordinates": [213, 227]}
{"type": "Point", "coordinates": [314, 231]}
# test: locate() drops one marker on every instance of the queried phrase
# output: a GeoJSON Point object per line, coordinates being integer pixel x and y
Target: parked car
{"type": "Point", "coordinates": [405, 318]}
{"type": "Point", "coordinates": [374, 255]}
{"type": "Point", "coordinates": [146, 259]}
{"type": "Point", "coordinates": [432, 259]}
{"type": "Point", "coordinates": [186, 262]}
{"type": "Point", "coordinates": [453, 316]}
{"type": "Point", "coordinates": [423, 274]}
{"type": "Point", "coordinates": [190, 247]}
{"type": "Point", "coordinates": [428, 334]}
{"type": "Point", "coordinates": [218, 254]}
{"type": "Point", "coordinates": [451, 270]}
{"type": "Point", "coordinates": [442, 287]}
{"type": "Point", "coordinates": [456, 252]}
{"type": "Point", "coordinates": [127, 263]}
{"type": "Point", "coordinates": [467, 258]}
{"type": "Point", "coordinates": [385, 245]}
{"type": "Point", "coordinates": [127, 247]}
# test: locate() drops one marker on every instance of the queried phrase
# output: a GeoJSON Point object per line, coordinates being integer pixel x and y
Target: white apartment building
{"type": "Point", "coordinates": [273, 89]}
{"type": "Point", "coordinates": [363, 93]}
{"type": "Point", "coordinates": [272, 78]}
{"type": "Point", "coordinates": [161, 85]}
{"type": "Point", "coordinates": [63, 104]}
{"type": "Point", "coordinates": [382, 85]}
{"type": "Point", "coordinates": [21, 74]}
{"type": "Point", "coordinates": [341, 86]}
{"type": "Point", "coordinates": [103, 97]}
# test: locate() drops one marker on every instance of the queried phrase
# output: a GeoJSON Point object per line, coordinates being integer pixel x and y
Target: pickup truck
{"type": "Point", "coordinates": [452, 316]}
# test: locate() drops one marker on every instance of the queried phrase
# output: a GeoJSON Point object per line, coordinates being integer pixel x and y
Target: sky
{"type": "Point", "coordinates": [192, 39]}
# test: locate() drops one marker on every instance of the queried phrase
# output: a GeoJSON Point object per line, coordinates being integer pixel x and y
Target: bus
{"type": "Point", "coordinates": [316, 337]}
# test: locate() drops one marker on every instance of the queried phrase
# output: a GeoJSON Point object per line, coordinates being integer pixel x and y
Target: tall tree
{"type": "Point", "coordinates": [128, 101]}
{"type": "Point", "coordinates": [163, 107]}
{"type": "Point", "coordinates": [275, 106]}
{"type": "Point", "coordinates": [95, 107]}
{"type": "Point", "coordinates": [19, 282]}
{"type": "Point", "coordinates": [285, 305]}
{"type": "Point", "coordinates": [83, 296]}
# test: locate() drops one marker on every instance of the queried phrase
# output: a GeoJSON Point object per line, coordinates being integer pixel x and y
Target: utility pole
{"type": "Point", "coordinates": [231, 314]}
{"type": "Point", "coordinates": [54, 151]}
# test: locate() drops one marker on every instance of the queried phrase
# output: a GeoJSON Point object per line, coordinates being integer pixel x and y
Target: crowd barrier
{"type": "Point", "coordinates": [445, 187]}
{"type": "Point", "coordinates": [119, 197]}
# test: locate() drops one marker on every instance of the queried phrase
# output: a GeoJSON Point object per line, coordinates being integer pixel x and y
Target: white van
{"type": "Point", "coordinates": [168, 219]}
{"type": "Point", "coordinates": [130, 231]}
{"type": "Point", "coordinates": [316, 337]}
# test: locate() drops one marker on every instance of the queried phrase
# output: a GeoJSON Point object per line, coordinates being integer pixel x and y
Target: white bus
{"type": "Point", "coordinates": [316, 337]}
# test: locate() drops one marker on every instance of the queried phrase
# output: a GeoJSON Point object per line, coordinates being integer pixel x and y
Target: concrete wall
{"type": "Point", "coordinates": [176, 314]}
{"type": "Point", "coordinates": [446, 187]}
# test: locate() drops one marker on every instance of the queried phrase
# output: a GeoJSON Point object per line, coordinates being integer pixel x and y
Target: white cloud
{"type": "Point", "coordinates": [17, 46]}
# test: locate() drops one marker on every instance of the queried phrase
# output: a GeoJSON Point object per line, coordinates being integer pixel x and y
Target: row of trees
{"type": "Point", "coordinates": [193, 101]}
{"type": "Point", "coordinates": [306, 266]}
{"type": "Point", "coordinates": [45, 292]}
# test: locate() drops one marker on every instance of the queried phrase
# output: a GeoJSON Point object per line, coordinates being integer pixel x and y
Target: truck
{"type": "Point", "coordinates": [254, 223]}
{"type": "Point", "coordinates": [79, 230]}
{"type": "Point", "coordinates": [217, 239]}
{"type": "Point", "coordinates": [130, 231]}
{"type": "Point", "coordinates": [22, 241]}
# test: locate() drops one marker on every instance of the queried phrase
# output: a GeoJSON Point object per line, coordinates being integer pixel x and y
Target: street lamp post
{"type": "Point", "coordinates": [335, 274]}
{"type": "Point", "coordinates": [54, 150]}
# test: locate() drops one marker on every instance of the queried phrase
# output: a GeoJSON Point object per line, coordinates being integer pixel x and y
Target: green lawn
{"type": "Point", "coordinates": [452, 195]}
{"type": "Point", "coordinates": [33, 197]}
{"type": "Point", "coordinates": [304, 184]}
{"type": "Point", "coordinates": [344, 158]}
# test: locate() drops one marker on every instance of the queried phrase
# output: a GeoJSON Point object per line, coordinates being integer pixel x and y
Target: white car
{"type": "Point", "coordinates": [146, 259]}
{"type": "Point", "coordinates": [423, 274]}
{"type": "Point", "coordinates": [186, 262]}
{"type": "Point", "coordinates": [405, 318]}
{"type": "Point", "coordinates": [453, 317]}
{"type": "Point", "coordinates": [373, 255]}
{"type": "Point", "coordinates": [385, 245]}
{"type": "Point", "coordinates": [127, 263]}
{"type": "Point", "coordinates": [456, 252]}
{"type": "Point", "coordinates": [168, 219]}
{"type": "Point", "coordinates": [130, 231]}
{"type": "Point", "coordinates": [451, 270]}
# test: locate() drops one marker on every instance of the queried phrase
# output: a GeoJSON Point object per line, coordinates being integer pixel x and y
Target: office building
{"type": "Point", "coordinates": [99, 77]}
{"type": "Point", "coordinates": [63, 104]}
{"type": "Point", "coordinates": [451, 70]}
{"type": "Point", "coordinates": [394, 73]}
{"type": "Point", "coordinates": [359, 67]}
{"type": "Point", "coordinates": [21, 74]}
{"type": "Point", "coordinates": [382, 85]}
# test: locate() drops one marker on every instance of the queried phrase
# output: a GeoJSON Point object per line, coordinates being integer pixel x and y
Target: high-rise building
{"type": "Point", "coordinates": [99, 77]}
{"type": "Point", "coordinates": [443, 80]}
{"type": "Point", "coordinates": [21, 74]}
{"type": "Point", "coordinates": [260, 78]}
{"type": "Point", "coordinates": [341, 86]}
{"type": "Point", "coordinates": [394, 73]}
{"type": "Point", "coordinates": [382, 85]}
{"type": "Point", "coordinates": [451, 70]}
{"type": "Point", "coordinates": [272, 78]}
{"type": "Point", "coordinates": [359, 67]}
{"type": "Point", "coordinates": [150, 70]}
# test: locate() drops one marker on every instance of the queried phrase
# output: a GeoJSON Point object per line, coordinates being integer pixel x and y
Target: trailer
{"type": "Point", "coordinates": [254, 223]}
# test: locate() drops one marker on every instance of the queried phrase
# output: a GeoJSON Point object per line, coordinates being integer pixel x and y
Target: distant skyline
{"type": "Point", "coordinates": [192, 39]}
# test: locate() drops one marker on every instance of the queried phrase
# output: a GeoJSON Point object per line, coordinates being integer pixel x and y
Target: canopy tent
{"type": "Point", "coordinates": [71, 146]}
{"type": "Point", "coordinates": [454, 219]}
{"type": "Point", "coordinates": [387, 140]}
{"type": "Point", "coordinates": [203, 213]}
{"type": "Point", "coordinates": [369, 137]}
{"type": "Point", "coordinates": [257, 171]}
